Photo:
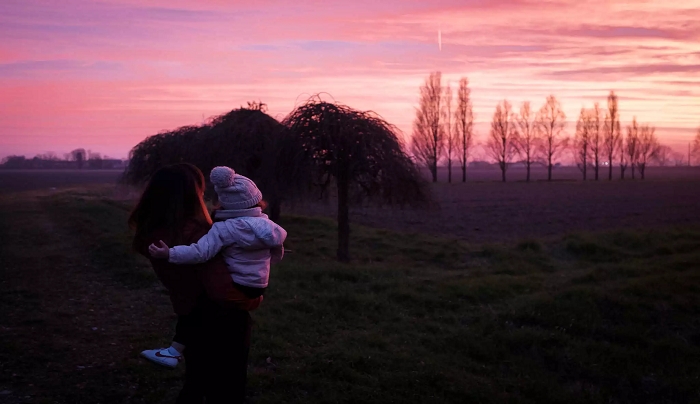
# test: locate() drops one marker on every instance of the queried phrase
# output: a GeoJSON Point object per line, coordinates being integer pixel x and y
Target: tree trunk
{"type": "Point", "coordinates": [584, 170]}
{"type": "Point", "coordinates": [527, 178]}
{"type": "Point", "coordinates": [433, 171]}
{"type": "Point", "coordinates": [343, 215]}
{"type": "Point", "coordinates": [464, 173]}
{"type": "Point", "coordinates": [549, 171]}
{"type": "Point", "coordinates": [641, 170]}
{"type": "Point", "coordinates": [503, 172]}
{"type": "Point", "coordinates": [622, 172]}
{"type": "Point", "coordinates": [449, 171]}
{"type": "Point", "coordinates": [597, 166]}
{"type": "Point", "coordinates": [610, 166]}
{"type": "Point", "coordinates": [632, 166]}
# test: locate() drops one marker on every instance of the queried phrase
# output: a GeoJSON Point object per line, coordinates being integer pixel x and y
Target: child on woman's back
{"type": "Point", "coordinates": [249, 240]}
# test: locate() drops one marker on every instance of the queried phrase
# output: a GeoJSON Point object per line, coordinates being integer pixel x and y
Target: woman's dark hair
{"type": "Point", "coordinates": [172, 197]}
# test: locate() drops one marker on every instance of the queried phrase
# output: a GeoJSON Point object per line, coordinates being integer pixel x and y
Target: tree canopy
{"type": "Point", "coordinates": [245, 139]}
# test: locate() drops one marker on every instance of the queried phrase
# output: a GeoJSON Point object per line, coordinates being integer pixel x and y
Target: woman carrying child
{"type": "Point", "coordinates": [213, 320]}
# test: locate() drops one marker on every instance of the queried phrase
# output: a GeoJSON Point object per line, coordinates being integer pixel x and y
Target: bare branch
{"type": "Point", "coordinates": [450, 139]}
{"type": "Point", "coordinates": [428, 138]}
{"type": "Point", "coordinates": [596, 139]}
{"type": "Point", "coordinates": [611, 142]}
{"type": "Point", "coordinates": [527, 137]}
{"type": "Point", "coordinates": [501, 139]}
{"type": "Point", "coordinates": [551, 121]}
{"type": "Point", "coordinates": [464, 120]}
{"type": "Point", "coordinates": [696, 146]}
{"type": "Point", "coordinates": [648, 147]}
{"type": "Point", "coordinates": [630, 151]}
{"type": "Point", "coordinates": [582, 139]}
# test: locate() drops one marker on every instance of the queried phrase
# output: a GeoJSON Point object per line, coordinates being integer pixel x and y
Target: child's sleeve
{"type": "Point", "coordinates": [203, 250]}
{"type": "Point", "coordinates": [276, 254]}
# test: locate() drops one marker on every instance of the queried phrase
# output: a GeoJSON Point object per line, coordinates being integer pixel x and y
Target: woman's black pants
{"type": "Point", "coordinates": [216, 358]}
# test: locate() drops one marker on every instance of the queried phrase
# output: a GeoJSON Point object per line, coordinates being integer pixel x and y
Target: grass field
{"type": "Point", "coordinates": [608, 317]}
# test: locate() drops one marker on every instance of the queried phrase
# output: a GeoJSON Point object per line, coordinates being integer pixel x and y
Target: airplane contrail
{"type": "Point", "coordinates": [440, 39]}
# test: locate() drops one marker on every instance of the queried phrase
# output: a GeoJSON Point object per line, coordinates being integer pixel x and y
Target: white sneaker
{"type": "Point", "coordinates": [163, 356]}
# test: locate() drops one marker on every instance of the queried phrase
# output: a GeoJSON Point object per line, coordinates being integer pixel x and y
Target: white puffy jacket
{"type": "Point", "coordinates": [250, 243]}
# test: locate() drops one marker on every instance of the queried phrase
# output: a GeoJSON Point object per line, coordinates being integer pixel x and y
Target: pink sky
{"type": "Point", "coordinates": [103, 75]}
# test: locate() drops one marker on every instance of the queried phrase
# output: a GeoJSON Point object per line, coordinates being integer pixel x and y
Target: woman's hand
{"type": "Point", "coordinates": [161, 251]}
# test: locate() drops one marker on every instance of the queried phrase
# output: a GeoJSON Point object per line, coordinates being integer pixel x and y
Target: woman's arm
{"type": "Point", "coordinates": [203, 250]}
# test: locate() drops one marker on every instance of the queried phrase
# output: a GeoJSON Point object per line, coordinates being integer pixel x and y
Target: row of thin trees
{"type": "Point", "coordinates": [438, 130]}
{"type": "Point", "coordinates": [441, 132]}
{"type": "Point", "coordinates": [78, 158]}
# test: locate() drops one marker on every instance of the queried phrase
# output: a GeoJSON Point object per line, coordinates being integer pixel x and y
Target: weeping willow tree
{"type": "Point", "coordinates": [159, 150]}
{"type": "Point", "coordinates": [356, 151]}
{"type": "Point", "coordinates": [245, 139]}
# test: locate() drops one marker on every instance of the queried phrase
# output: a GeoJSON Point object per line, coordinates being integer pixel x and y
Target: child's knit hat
{"type": "Point", "coordinates": [234, 190]}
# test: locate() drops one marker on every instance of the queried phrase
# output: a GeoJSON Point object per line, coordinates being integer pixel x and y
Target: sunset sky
{"type": "Point", "coordinates": [103, 75]}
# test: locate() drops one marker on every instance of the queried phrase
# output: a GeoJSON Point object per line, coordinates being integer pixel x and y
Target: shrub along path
{"type": "Point", "coordinates": [611, 317]}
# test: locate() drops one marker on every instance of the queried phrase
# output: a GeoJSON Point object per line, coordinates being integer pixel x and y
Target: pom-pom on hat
{"type": "Point", "coordinates": [234, 190]}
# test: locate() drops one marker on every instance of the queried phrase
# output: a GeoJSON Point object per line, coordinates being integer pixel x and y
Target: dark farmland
{"type": "Point", "coordinates": [484, 210]}
{"type": "Point", "coordinates": [29, 180]}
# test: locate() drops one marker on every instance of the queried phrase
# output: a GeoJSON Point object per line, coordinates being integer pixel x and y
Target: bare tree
{"type": "Point", "coordinates": [596, 138]}
{"type": "Point", "coordinates": [464, 120]}
{"type": "Point", "coordinates": [612, 143]}
{"type": "Point", "coordinates": [631, 149]}
{"type": "Point", "coordinates": [500, 142]}
{"type": "Point", "coordinates": [696, 146]}
{"type": "Point", "coordinates": [49, 156]}
{"type": "Point", "coordinates": [551, 120]}
{"type": "Point", "coordinates": [582, 140]}
{"type": "Point", "coordinates": [648, 147]}
{"type": "Point", "coordinates": [13, 161]}
{"type": "Point", "coordinates": [663, 155]}
{"type": "Point", "coordinates": [678, 159]}
{"type": "Point", "coordinates": [526, 138]}
{"type": "Point", "coordinates": [450, 137]}
{"type": "Point", "coordinates": [94, 160]}
{"type": "Point", "coordinates": [428, 139]}
{"type": "Point", "coordinates": [78, 155]}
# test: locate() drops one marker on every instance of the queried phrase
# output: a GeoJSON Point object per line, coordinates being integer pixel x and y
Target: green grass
{"type": "Point", "coordinates": [611, 317]}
